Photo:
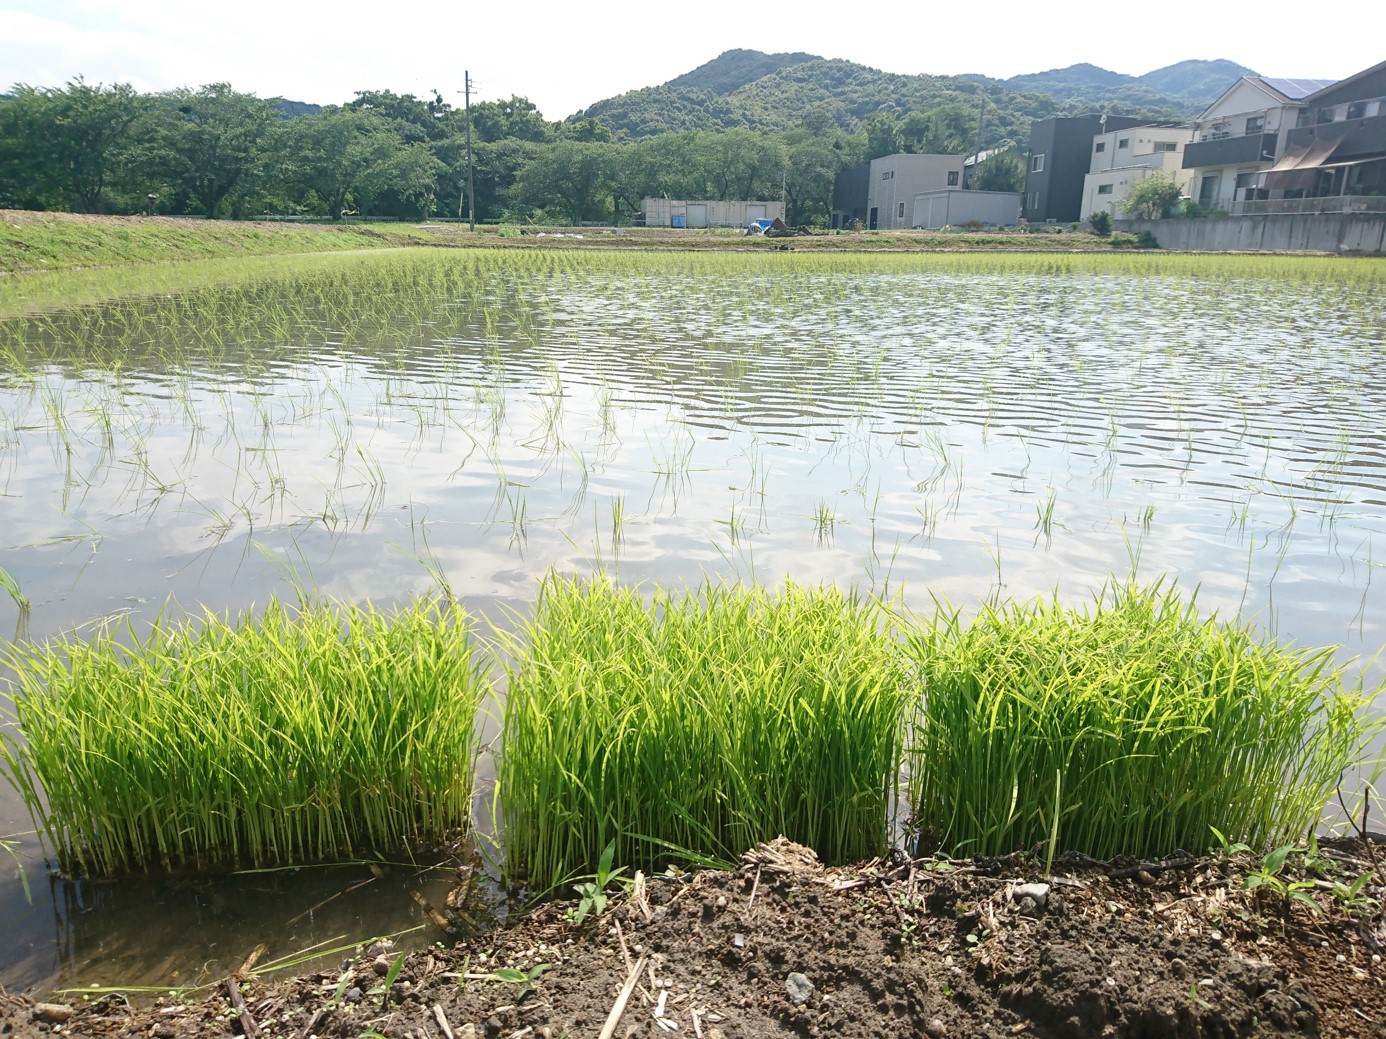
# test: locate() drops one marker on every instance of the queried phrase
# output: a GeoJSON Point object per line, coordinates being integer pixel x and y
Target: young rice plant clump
{"type": "Point", "coordinates": [298, 735]}
{"type": "Point", "coordinates": [699, 723]}
{"type": "Point", "coordinates": [1130, 728]}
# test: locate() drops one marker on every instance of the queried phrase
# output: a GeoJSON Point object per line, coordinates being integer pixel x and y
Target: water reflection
{"type": "Point", "coordinates": [376, 426]}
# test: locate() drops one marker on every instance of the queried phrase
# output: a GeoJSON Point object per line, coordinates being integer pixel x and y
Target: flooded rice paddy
{"type": "Point", "coordinates": [382, 426]}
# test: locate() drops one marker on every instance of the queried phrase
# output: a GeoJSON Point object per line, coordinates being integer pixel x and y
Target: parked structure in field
{"type": "Point", "coordinates": [881, 193]}
{"type": "Point", "coordinates": [668, 212]}
{"type": "Point", "coordinates": [1060, 157]}
{"type": "Point", "coordinates": [1239, 138]}
{"type": "Point", "coordinates": [953, 206]}
{"type": "Point", "coordinates": [1121, 159]}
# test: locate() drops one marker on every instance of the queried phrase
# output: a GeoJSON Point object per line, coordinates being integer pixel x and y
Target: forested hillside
{"type": "Point", "coordinates": [770, 93]}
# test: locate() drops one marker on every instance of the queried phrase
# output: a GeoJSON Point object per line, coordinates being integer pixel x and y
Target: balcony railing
{"type": "Point", "coordinates": [1229, 151]}
{"type": "Point", "coordinates": [1291, 206]}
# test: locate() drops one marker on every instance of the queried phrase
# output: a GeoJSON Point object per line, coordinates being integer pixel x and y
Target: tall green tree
{"type": "Point", "coordinates": [516, 119]}
{"type": "Point", "coordinates": [813, 165]}
{"type": "Point", "coordinates": [1004, 171]}
{"type": "Point", "coordinates": [1155, 197]}
{"type": "Point", "coordinates": [573, 176]}
{"type": "Point", "coordinates": [213, 143]}
{"type": "Point", "coordinates": [742, 164]}
{"type": "Point", "coordinates": [335, 154]}
{"type": "Point", "coordinates": [952, 130]}
{"type": "Point", "coordinates": [883, 135]}
{"type": "Point", "coordinates": [62, 147]}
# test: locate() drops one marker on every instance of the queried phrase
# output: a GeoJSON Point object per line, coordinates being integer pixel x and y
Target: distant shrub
{"type": "Point", "coordinates": [1101, 223]}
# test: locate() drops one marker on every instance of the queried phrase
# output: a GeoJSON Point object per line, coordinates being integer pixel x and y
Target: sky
{"type": "Point", "coordinates": [565, 56]}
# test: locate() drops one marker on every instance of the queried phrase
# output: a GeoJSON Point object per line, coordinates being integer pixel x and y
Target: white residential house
{"type": "Point", "coordinates": [1121, 159]}
{"type": "Point", "coordinates": [1241, 135]}
{"type": "Point", "coordinates": [895, 180]}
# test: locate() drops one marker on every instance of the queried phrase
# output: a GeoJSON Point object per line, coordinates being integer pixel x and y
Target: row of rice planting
{"type": "Point", "coordinates": [683, 726]}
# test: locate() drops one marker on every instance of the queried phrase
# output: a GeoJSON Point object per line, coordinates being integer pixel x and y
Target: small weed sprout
{"type": "Point", "coordinates": [593, 892]}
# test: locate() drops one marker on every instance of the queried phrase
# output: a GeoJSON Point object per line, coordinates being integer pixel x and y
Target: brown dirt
{"type": "Point", "coordinates": [929, 947]}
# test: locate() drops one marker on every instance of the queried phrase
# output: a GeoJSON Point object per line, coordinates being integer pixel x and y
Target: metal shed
{"type": "Point", "coordinates": [953, 206]}
{"type": "Point", "coordinates": [668, 212]}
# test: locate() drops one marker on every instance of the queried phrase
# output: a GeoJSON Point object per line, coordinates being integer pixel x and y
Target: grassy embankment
{"type": "Point", "coordinates": [65, 241]}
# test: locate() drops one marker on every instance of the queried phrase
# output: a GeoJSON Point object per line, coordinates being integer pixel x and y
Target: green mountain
{"type": "Point", "coordinates": [776, 92]}
{"type": "Point", "coordinates": [1188, 86]}
{"type": "Point", "coordinates": [736, 68]}
{"type": "Point", "coordinates": [1201, 80]}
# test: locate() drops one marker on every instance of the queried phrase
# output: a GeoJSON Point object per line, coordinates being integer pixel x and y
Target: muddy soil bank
{"type": "Point", "coordinates": [1176, 948]}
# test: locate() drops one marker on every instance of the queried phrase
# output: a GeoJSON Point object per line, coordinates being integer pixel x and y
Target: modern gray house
{"type": "Point", "coordinates": [881, 193]}
{"type": "Point", "coordinates": [1060, 157]}
{"type": "Point", "coordinates": [1337, 150]}
{"type": "Point", "coordinates": [851, 188]}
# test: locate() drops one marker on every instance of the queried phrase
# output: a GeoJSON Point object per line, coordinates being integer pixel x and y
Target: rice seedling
{"type": "Point", "coordinates": [300, 734]}
{"type": "Point", "coordinates": [10, 586]}
{"type": "Point", "coordinates": [694, 726]}
{"type": "Point", "coordinates": [1147, 725]}
{"type": "Point", "coordinates": [618, 522]}
{"type": "Point", "coordinates": [1044, 512]}
{"type": "Point", "coordinates": [824, 521]}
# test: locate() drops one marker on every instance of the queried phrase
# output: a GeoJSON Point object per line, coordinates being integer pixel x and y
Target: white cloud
{"type": "Point", "coordinates": [564, 56]}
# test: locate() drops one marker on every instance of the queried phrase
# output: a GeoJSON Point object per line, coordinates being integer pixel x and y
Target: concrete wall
{"type": "Point", "coordinates": [1322, 232]}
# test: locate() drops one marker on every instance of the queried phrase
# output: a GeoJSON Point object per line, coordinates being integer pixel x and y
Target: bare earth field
{"type": "Point", "coordinates": [782, 946]}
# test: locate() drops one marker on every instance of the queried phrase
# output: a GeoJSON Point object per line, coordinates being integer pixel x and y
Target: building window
{"type": "Point", "coordinates": [1123, 142]}
{"type": "Point", "coordinates": [1166, 146]}
{"type": "Point", "coordinates": [1104, 189]}
{"type": "Point", "coordinates": [1037, 163]}
{"type": "Point", "coordinates": [1255, 124]}
{"type": "Point", "coordinates": [1305, 118]}
{"type": "Point", "coordinates": [1100, 146]}
{"type": "Point", "coordinates": [952, 178]}
{"type": "Point", "coordinates": [1326, 113]}
{"type": "Point", "coordinates": [1034, 201]}
{"type": "Point", "coordinates": [902, 210]}
{"type": "Point", "coordinates": [1357, 110]}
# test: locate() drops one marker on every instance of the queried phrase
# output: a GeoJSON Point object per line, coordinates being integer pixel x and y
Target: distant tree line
{"type": "Point", "coordinates": [217, 152]}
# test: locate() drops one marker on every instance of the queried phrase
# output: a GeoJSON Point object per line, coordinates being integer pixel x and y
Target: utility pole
{"type": "Point", "coordinates": [977, 152]}
{"type": "Point", "coordinates": [471, 180]}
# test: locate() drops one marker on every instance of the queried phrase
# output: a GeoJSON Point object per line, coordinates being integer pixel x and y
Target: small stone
{"type": "Point", "coordinates": [381, 965]}
{"type": "Point", "coordinates": [936, 1028]}
{"type": "Point", "coordinates": [1036, 894]}
{"type": "Point", "coordinates": [494, 1025]}
{"type": "Point", "coordinates": [1179, 969]}
{"type": "Point", "coordinates": [716, 1033]}
{"type": "Point", "coordinates": [739, 940]}
{"type": "Point", "coordinates": [353, 995]}
{"type": "Point", "coordinates": [798, 988]}
{"type": "Point", "coordinates": [721, 902]}
{"type": "Point", "coordinates": [467, 1031]}
{"type": "Point", "coordinates": [53, 1013]}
